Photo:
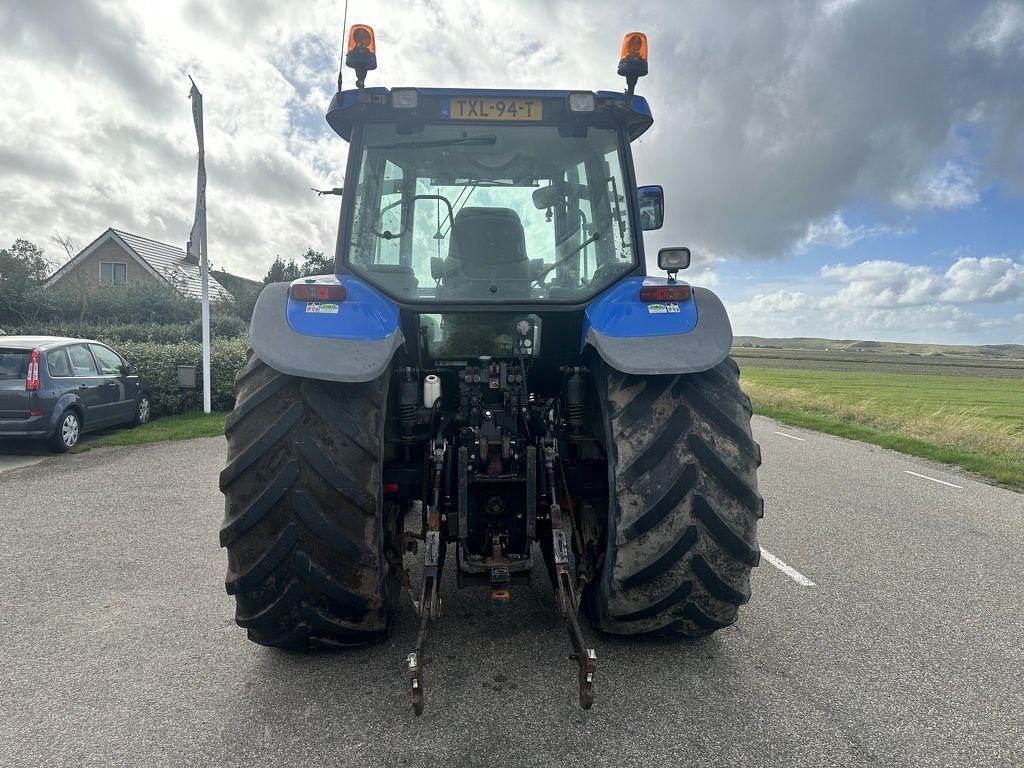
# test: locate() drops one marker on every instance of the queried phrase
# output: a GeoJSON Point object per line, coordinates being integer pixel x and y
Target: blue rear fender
{"type": "Point", "coordinates": [349, 340]}
{"type": "Point", "coordinates": [650, 338]}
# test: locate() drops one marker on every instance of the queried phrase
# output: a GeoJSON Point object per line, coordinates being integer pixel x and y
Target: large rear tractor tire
{"type": "Point", "coordinates": [683, 503]}
{"type": "Point", "coordinates": [310, 542]}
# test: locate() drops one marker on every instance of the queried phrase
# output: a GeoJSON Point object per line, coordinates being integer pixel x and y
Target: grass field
{"type": "Point", "coordinates": [881, 362]}
{"type": "Point", "coordinates": [974, 422]}
{"type": "Point", "coordinates": [181, 427]}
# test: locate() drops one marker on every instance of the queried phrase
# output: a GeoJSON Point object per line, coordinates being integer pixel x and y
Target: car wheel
{"type": "Point", "coordinates": [69, 429]}
{"type": "Point", "coordinates": [142, 410]}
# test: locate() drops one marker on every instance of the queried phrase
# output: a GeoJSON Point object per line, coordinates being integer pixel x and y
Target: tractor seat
{"type": "Point", "coordinates": [489, 244]}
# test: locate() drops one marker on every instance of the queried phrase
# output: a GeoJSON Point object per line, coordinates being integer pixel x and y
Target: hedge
{"type": "Point", "coordinates": [221, 327]}
{"type": "Point", "coordinates": [157, 351]}
{"type": "Point", "coordinates": [142, 302]}
{"type": "Point", "coordinates": [158, 366]}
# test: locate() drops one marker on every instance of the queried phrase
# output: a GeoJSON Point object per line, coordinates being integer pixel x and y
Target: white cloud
{"type": "Point", "coordinates": [892, 300]}
{"type": "Point", "coordinates": [782, 301]}
{"type": "Point", "coordinates": [766, 315]}
{"type": "Point", "coordinates": [835, 232]}
{"type": "Point", "coordinates": [999, 28]}
{"type": "Point", "coordinates": [989, 279]}
{"type": "Point", "coordinates": [948, 188]}
{"type": "Point", "coordinates": [880, 284]}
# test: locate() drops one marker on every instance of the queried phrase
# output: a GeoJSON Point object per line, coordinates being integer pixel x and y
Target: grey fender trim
{"type": "Point", "coordinates": [701, 349]}
{"type": "Point", "coordinates": [314, 357]}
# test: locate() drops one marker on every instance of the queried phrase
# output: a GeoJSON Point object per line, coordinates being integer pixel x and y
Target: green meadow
{"type": "Point", "coordinates": [975, 423]}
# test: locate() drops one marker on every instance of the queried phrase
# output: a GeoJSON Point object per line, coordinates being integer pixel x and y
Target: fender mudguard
{"type": "Point", "coordinates": [646, 338]}
{"type": "Point", "coordinates": [351, 340]}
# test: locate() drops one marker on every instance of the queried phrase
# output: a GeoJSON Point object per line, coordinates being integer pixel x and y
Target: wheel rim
{"type": "Point", "coordinates": [144, 410]}
{"type": "Point", "coordinates": [69, 430]}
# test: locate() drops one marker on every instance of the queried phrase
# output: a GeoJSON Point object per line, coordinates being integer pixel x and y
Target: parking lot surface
{"type": "Point", "coordinates": [884, 629]}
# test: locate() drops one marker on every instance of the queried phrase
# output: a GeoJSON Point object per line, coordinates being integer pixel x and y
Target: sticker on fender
{"type": "Point", "coordinates": [322, 307]}
{"type": "Point", "coordinates": [661, 309]}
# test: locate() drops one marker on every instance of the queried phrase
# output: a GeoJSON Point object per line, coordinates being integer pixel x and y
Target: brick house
{"type": "Point", "coordinates": [121, 258]}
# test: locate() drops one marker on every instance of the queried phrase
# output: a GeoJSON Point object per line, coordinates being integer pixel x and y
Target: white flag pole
{"type": "Point", "coordinates": [204, 269]}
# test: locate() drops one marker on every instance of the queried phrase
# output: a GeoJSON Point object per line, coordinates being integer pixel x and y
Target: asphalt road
{"type": "Point", "coordinates": [22, 452]}
{"type": "Point", "coordinates": [120, 649]}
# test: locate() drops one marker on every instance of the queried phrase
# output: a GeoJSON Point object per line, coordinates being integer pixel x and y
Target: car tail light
{"type": "Point", "coordinates": [665, 293]}
{"type": "Point", "coordinates": [32, 379]}
{"type": "Point", "coordinates": [314, 292]}
{"type": "Point", "coordinates": [390, 487]}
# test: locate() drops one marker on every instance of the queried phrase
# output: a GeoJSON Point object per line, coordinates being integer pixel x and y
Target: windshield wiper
{"type": "Point", "coordinates": [437, 143]}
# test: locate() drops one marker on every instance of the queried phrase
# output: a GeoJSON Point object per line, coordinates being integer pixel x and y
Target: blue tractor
{"type": "Point", "coordinates": [490, 368]}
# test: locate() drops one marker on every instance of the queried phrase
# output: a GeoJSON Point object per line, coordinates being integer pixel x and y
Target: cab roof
{"type": "Point", "coordinates": [374, 105]}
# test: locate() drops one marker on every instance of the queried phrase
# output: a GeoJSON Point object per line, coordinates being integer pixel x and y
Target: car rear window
{"type": "Point", "coordinates": [14, 363]}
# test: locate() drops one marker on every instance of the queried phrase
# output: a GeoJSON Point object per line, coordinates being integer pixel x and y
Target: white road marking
{"type": "Point", "coordinates": [790, 571]}
{"type": "Point", "coordinates": [791, 437]}
{"type": "Point", "coordinates": [934, 480]}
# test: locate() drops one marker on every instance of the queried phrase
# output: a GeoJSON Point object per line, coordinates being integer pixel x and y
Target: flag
{"type": "Point", "coordinates": [196, 251]}
{"type": "Point", "coordinates": [192, 249]}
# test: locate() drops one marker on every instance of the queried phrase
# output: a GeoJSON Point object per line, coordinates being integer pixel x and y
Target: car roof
{"type": "Point", "coordinates": [39, 342]}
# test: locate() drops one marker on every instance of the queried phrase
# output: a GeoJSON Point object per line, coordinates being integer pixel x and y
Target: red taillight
{"type": "Point", "coordinates": [32, 379]}
{"type": "Point", "coordinates": [390, 487]}
{"type": "Point", "coordinates": [665, 293]}
{"type": "Point", "coordinates": [314, 292]}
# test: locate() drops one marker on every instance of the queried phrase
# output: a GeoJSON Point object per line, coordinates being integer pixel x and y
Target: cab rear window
{"type": "Point", "coordinates": [14, 363]}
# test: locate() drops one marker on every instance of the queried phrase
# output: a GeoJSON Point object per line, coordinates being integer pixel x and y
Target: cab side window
{"type": "Point", "coordinates": [392, 215]}
{"type": "Point", "coordinates": [57, 363]}
{"type": "Point", "coordinates": [81, 360]}
{"type": "Point", "coordinates": [110, 362]}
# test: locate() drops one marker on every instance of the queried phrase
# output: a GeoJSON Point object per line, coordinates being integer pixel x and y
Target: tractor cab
{"type": "Point", "coordinates": [462, 197]}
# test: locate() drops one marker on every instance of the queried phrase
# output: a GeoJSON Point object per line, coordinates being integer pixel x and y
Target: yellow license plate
{"type": "Point", "coordinates": [466, 108]}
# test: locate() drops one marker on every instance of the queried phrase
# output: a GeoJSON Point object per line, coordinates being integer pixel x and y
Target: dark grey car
{"type": "Point", "coordinates": [57, 388]}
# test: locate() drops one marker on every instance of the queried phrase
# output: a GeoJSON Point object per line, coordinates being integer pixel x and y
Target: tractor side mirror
{"type": "Point", "coordinates": [652, 206]}
{"type": "Point", "coordinates": [673, 259]}
{"type": "Point", "coordinates": [556, 193]}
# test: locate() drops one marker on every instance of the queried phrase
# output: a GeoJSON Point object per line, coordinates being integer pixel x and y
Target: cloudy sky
{"type": "Point", "coordinates": [841, 168]}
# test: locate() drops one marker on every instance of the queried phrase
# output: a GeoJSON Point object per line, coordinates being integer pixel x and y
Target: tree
{"type": "Point", "coordinates": [282, 272]}
{"type": "Point", "coordinates": [75, 286]}
{"type": "Point", "coordinates": [23, 269]}
{"type": "Point", "coordinates": [313, 263]}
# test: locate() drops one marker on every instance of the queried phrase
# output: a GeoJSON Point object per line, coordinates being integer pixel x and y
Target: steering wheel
{"type": "Point", "coordinates": [608, 270]}
{"type": "Point", "coordinates": [542, 283]}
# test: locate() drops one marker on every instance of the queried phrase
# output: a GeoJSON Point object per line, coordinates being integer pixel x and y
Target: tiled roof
{"type": "Point", "coordinates": [170, 263]}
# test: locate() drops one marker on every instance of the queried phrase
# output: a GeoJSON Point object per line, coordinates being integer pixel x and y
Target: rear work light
{"type": "Point", "coordinates": [32, 379]}
{"type": "Point", "coordinates": [404, 98]}
{"type": "Point", "coordinates": [665, 293]}
{"type": "Point", "coordinates": [314, 292]}
{"type": "Point", "coordinates": [581, 102]}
